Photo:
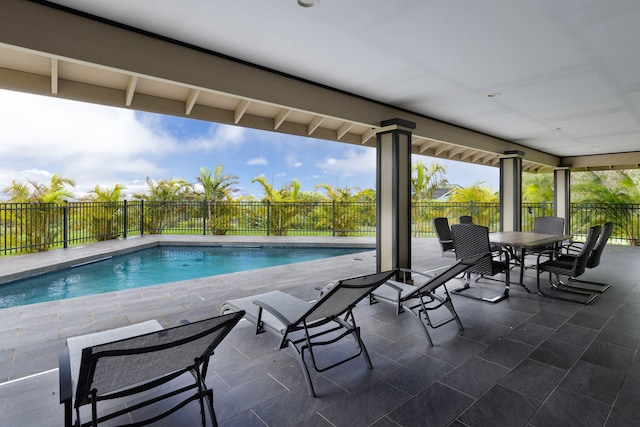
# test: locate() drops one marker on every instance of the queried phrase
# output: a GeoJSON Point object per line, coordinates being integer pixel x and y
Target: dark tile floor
{"type": "Point", "coordinates": [526, 361]}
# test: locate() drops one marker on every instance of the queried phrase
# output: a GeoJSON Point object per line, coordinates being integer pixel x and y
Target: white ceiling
{"type": "Point", "coordinates": [566, 74]}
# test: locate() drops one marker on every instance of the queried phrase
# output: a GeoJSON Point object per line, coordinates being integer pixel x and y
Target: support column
{"type": "Point", "coordinates": [511, 191]}
{"type": "Point", "coordinates": [393, 195]}
{"type": "Point", "coordinates": [561, 195]}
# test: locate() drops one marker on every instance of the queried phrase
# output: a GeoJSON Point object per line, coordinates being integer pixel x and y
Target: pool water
{"type": "Point", "coordinates": [153, 267]}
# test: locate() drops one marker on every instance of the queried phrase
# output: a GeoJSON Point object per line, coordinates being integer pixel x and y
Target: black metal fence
{"type": "Point", "coordinates": [26, 227]}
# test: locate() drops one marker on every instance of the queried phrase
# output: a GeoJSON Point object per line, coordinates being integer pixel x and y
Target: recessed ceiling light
{"type": "Point", "coordinates": [307, 3]}
{"type": "Point", "coordinates": [494, 94]}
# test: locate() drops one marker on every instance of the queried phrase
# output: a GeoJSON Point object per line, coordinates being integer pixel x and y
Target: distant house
{"type": "Point", "coordinates": [442, 194]}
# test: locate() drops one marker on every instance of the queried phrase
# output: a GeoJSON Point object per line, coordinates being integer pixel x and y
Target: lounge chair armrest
{"type": "Point", "coordinates": [264, 306]}
{"type": "Point", "coordinates": [327, 287]}
{"type": "Point", "coordinates": [66, 386]}
{"type": "Point", "coordinates": [392, 286]}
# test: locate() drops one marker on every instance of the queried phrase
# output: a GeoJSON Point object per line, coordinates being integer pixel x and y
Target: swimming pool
{"type": "Point", "coordinates": [154, 266]}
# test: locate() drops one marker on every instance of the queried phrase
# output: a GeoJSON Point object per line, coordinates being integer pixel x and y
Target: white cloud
{"type": "Point", "coordinates": [354, 162]}
{"type": "Point", "coordinates": [219, 137]}
{"type": "Point", "coordinates": [92, 144]}
{"type": "Point", "coordinates": [293, 162]}
{"type": "Point", "coordinates": [257, 161]}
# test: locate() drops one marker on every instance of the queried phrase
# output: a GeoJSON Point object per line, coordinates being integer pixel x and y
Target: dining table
{"type": "Point", "coordinates": [518, 243]}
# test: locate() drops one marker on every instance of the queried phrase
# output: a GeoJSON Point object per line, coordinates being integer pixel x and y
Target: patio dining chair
{"type": "Point", "coordinates": [141, 373]}
{"type": "Point", "coordinates": [544, 225]}
{"type": "Point", "coordinates": [469, 242]}
{"type": "Point", "coordinates": [571, 265]}
{"type": "Point", "coordinates": [302, 326]}
{"type": "Point", "coordinates": [420, 299]}
{"type": "Point", "coordinates": [592, 262]}
{"type": "Point", "coordinates": [465, 219]}
{"type": "Point", "coordinates": [443, 233]}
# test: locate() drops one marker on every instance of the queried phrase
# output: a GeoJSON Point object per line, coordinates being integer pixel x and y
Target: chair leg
{"type": "Point", "coordinates": [561, 292]}
{"type": "Point", "coordinates": [304, 367]}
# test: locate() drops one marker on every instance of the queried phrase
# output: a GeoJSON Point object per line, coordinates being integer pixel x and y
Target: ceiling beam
{"type": "Point", "coordinates": [240, 110]}
{"type": "Point", "coordinates": [343, 129]}
{"type": "Point", "coordinates": [280, 118]}
{"type": "Point", "coordinates": [191, 101]}
{"type": "Point", "coordinates": [131, 90]}
{"type": "Point", "coordinates": [314, 124]}
{"type": "Point", "coordinates": [54, 76]}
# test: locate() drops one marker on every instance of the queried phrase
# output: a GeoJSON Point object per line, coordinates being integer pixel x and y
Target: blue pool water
{"type": "Point", "coordinates": [153, 267]}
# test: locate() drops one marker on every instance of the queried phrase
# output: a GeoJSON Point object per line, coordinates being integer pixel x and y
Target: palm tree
{"type": "Point", "coordinates": [425, 179]}
{"type": "Point", "coordinates": [611, 196]}
{"type": "Point", "coordinates": [104, 213]}
{"type": "Point", "coordinates": [343, 216]}
{"type": "Point", "coordinates": [480, 197]}
{"type": "Point", "coordinates": [537, 188]}
{"type": "Point", "coordinates": [218, 190]}
{"type": "Point", "coordinates": [40, 218]}
{"type": "Point", "coordinates": [163, 199]}
{"type": "Point", "coordinates": [282, 209]}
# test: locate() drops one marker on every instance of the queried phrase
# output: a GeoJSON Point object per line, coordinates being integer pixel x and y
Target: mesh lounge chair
{"type": "Point", "coordinates": [571, 265]}
{"type": "Point", "coordinates": [302, 325]}
{"type": "Point", "coordinates": [139, 365]}
{"type": "Point", "coordinates": [592, 262]}
{"type": "Point", "coordinates": [419, 300]}
{"type": "Point", "coordinates": [443, 232]}
{"type": "Point", "coordinates": [471, 241]}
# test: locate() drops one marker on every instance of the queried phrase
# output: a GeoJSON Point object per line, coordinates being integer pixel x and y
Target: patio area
{"type": "Point", "coordinates": [526, 361]}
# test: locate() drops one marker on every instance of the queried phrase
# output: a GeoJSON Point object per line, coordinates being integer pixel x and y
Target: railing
{"type": "Point", "coordinates": [28, 227]}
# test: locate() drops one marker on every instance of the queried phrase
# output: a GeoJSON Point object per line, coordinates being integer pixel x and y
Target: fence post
{"type": "Point", "coordinates": [204, 217]}
{"type": "Point", "coordinates": [333, 218]}
{"type": "Point", "coordinates": [65, 232]}
{"type": "Point", "coordinates": [268, 217]}
{"type": "Point", "coordinates": [543, 209]}
{"type": "Point", "coordinates": [125, 218]}
{"type": "Point", "coordinates": [141, 217]}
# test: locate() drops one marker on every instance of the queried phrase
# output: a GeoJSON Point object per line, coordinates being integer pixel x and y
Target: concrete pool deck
{"type": "Point", "coordinates": [31, 334]}
{"type": "Point", "coordinates": [525, 361]}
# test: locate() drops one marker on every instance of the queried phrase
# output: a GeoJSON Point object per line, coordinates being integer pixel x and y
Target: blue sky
{"type": "Point", "coordinates": [97, 145]}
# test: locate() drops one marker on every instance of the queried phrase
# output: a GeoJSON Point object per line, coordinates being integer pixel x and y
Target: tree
{"type": "Point", "coordinates": [163, 199]}
{"type": "Point", "coordinates": [426, 179]}
{"type": "Point", "coordinates": [104, 214]}
{"type": "Point", "coordinates": [480, 198]}
{"type": "Point", "coordinates": [282, 209]}
{"type": "Point", "coordinates": [40, 219]}
{"type": "Point", "coordinates": [344, 215]}
{"type": "Point", "coordinates": [218, 190]}
{"type": "Point", "coordinates": [611, 196]}
{"type": "Point", "coordinates": [217, 186]}
{"type": "Point", "coordinates": [537, 188]}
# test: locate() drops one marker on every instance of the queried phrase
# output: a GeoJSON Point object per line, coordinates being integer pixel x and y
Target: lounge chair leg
{"type": "Point", "coordinates": [303, 366]}
{"type": "Point", "coordinates": [365, 353]}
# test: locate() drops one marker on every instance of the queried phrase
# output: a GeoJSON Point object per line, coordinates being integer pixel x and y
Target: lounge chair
{"type": "Point", "coordinates": [420, 299]}
{"type": "Point", "coordinates": [443, 233]}
{"type": "Point", "coordinates": [303, 325]}
{"type": "Point", "coordinates": [571, 265]}
{"type": "Point", "coordinates": [471, 241]}
{"type": "Point", "coordinates": [139, 365]}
